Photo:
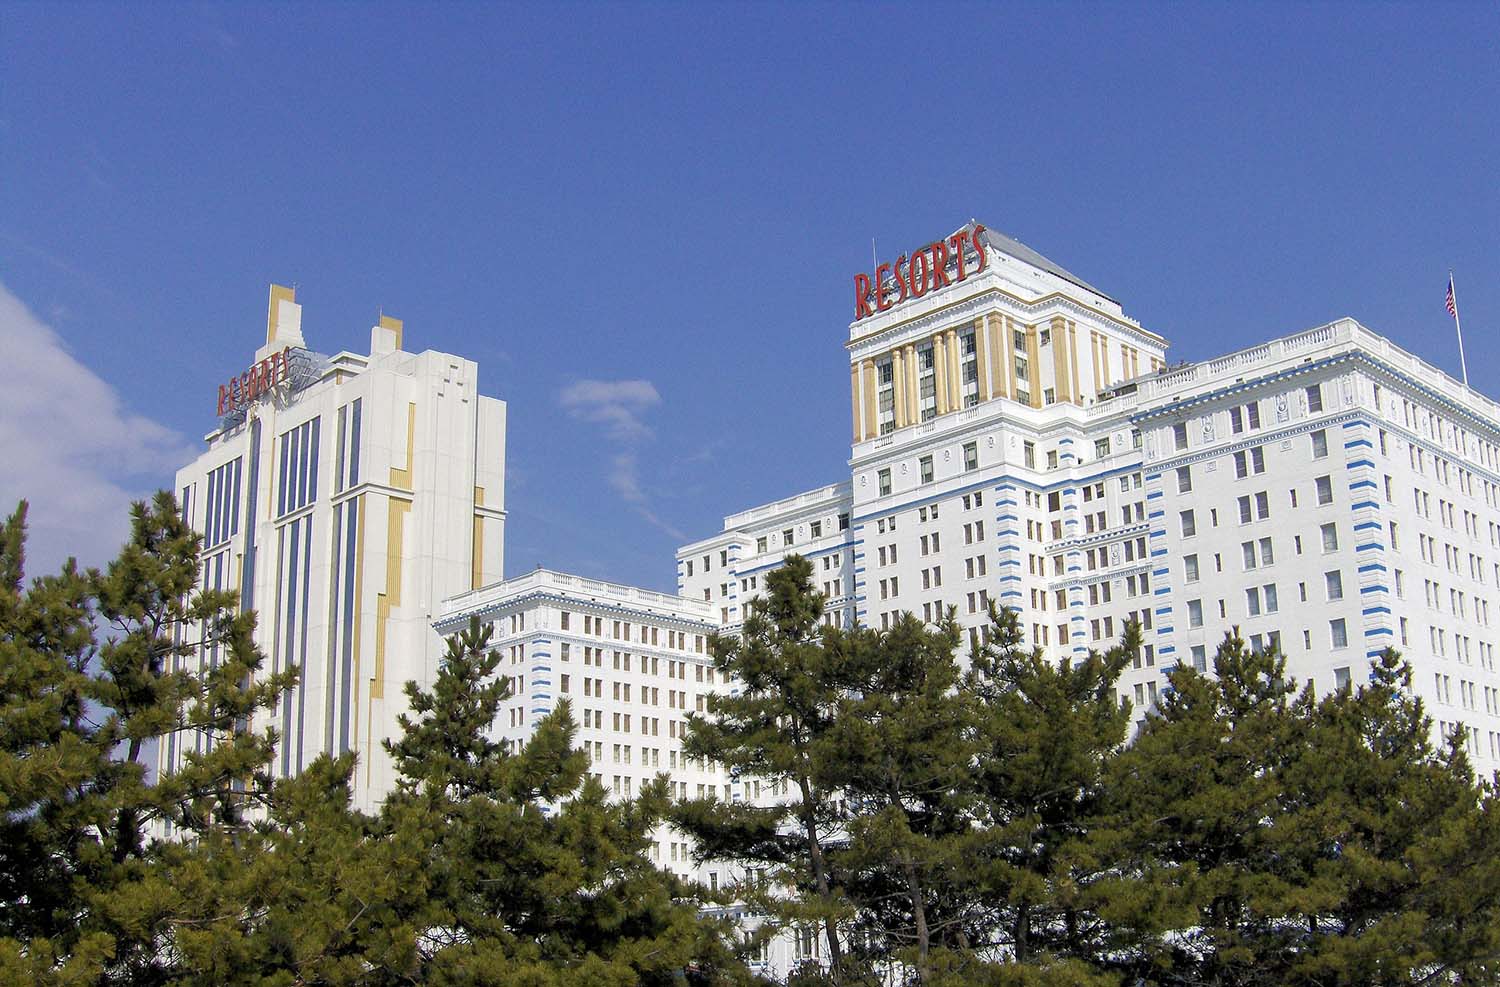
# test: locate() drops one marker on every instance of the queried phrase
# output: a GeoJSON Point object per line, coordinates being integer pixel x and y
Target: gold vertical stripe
{"type": "Point", "coordinates": [941, 372]}
{"type": "Point", "coordinates": [393, 324]}
{"type": "Point", "coordinates": [913, 385]}
{"type": "Point", "coordinates": [898, 382]}
{"type": "Point", "coordinates": [1104, 359]}
{"type": "Point", "coordinates": [997, 359]}
{"type": "Point", "coordinates": [279, 294]}
{"type": "Point", "coordinates": [401, 478]}
{"type": "Point", "coordinates": [1073, 361]}
{"type": "Point", "coordinates": [1060, 360]}
{"type": "Point", "coordinates": [476, 578]}
{"type": "Point", "coordinates": [872, 399]}
{"type": "Point", "coordinates": [394, 556]}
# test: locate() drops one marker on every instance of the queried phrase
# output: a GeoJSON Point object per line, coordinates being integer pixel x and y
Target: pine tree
{"type": "Point", "coordinates": [789, 680]}
{"type": "Point", "coordinates": [96, 667]}
{"type": "Point", "coordinates": [1046, 732]}
{"type": "Point", "coordinates": [900, 753]}
{"type": "Point", "coordinates": [532, 873]}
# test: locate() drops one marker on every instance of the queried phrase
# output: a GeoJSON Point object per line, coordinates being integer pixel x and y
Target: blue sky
{"type": "Point", "coordinates": [643, 220]}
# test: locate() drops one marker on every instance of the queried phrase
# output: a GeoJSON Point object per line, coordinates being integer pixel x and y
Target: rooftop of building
{"type": "Point", "coordinates": [1012, 247]}
{"type": "Point", "coordinates": [518, 591]}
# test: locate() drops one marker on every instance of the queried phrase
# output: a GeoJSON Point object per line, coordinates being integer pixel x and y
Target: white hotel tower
{"type": "Point", "coordinates": [1018, 438]}
{"type": "Point", "coordinates": [342, 502]}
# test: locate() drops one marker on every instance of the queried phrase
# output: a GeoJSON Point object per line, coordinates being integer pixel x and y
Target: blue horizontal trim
{"type": "Point", "coordinates": [1364, 504]}
{"type": "Point", "coordinates": [1359, 484]}
{"type": "Point", "coordinates": [1163, 632]}
{"type": "Point", "coordinates": [1158, 551]}
{"type": "Point", "coordinates": [1359, 423]}
{"type": "Point", "coordinates": [1367, 525]}
{"type": "Point", "coordinates": [1163, 590]}
{"type": "Point", "coordinates": [1375, 588]}
{"type": "Point", "coordinates": [1163, 610]}
{"type": "Point", "coordinates": [1373, 567]}
{"type": "Point", "coordinates": [1368, 611]}
{"type": "Point", "coordinates": [1356, 463]}
{"type": "Point", "coordinates": [1153, 515]}
{"type": "Point", "coordinates": [1373, 546]}
{"type": "Point", "coordinates": [1358, 442]}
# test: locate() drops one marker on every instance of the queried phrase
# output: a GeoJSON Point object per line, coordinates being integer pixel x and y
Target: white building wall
{"type": "Point", "coordinates": [353, 513]}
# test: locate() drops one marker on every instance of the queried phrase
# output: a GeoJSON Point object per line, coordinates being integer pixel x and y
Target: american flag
{"type": "Point", "coordinates": [1452, 305]}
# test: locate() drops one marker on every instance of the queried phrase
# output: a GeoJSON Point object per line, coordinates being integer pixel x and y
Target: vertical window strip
{"type": "Point", "coordinates": [348, 623]}
{"type": "Point", "coordinates": [338, 453]}
{"type": "Point", "coordinates": [234, 507]}
{"type": "Point", "coordinates": [302, 642]}
{"type": "Point", "coordinates": [354, 444]}
{"type": "Point", "coordinates": [335, 594]}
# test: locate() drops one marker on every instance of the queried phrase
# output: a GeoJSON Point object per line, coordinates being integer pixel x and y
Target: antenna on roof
{"type": "Point", "coordinates": [874, 260]}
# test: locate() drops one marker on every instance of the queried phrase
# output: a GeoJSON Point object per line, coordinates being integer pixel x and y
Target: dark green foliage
{"type": "Point", "coordinates": [776, 728]}
{"type": "Point", "coordinates": [532, 875]}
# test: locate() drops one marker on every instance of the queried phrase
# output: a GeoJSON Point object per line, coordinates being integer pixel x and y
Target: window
{"type": "Point", "coordinates": [1189, 524]}
{"type": "Point", "coordinates": [843, 523]}
{"type": "Point", "coordinates": [1330, 532]}
{"type": "Point", "coordinates": [884, 480]}
{"type": "Point", "coordinates": [1200, 658]}
{"type": "Point", "coordinates": [971, 456]}
{"type": "Point", "coordinates": [1320, 446]}
{"type": "Point", "coordinates": [1184, 479]}
{"type": "Point", "coordinates": [1341, 675]}
{"type": "Point", "coordinates": [1101, 448]}
{"type": "Point", "coordinates": [924, 468]}
{"type": "Point", "coordinates": [1195, 613]}
{"type": "Point", "coordinates": [760, 545]}
{"type": "Point", "coordinates": [1315, 399]}
{"type": "Point", "coordinates": [1325, 490]}
{"type": "Point", "coordinates": [1028, 454]}
{"type": "Point", "coordinates": [815, 529]}
{"type": "Point", "coordinates": [1338, 633]}
{"type": "Point", "coordinates": [1190, 568]}
{"type": "Point", "coordinates": [1334, 583]}
{"type": "Point", "coordinates": [1245, 418]}
{"type": "Point", "coordinates": [1248, 461]}
{"type": "Point", "coordinates": [1252, 601]}
{"type": "Point", "coordinates": [1179, 436]}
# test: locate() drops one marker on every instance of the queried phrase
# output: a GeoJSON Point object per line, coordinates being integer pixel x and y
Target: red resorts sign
{"type": "Point", "coordinates": [243, 390]}
{"type": "Point", "coordinates": [926, 270]}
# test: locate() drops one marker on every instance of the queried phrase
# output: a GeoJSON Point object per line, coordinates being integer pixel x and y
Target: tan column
{"type": "Point", "coordinates": [1098, 384]}
{"type": "Point", "coordinates": [854, 397]}
{"type": "Point", "coordinates": [1073, 361]}
{"type": "Point", "coordinates": [1104, 359]}
{"type": "Point", "coordinates": [1061, 379]}
{"type": "Point", "coordinates": [898, 380]}
{"type": "Point", "coordinates": [913, 385]}
{"type": "Point", "coordinates": [982, 359]}
{"type": "Point", "coordinates": [1033, 368]}
{"type": "Point", "coordinates": [998, 369]}
{"type": "Point", "coordinates": [872, 400]}
{"type": "Point", "coordinates": [955, 371]}
{"type": "Point", "coordinates": [940, 373]}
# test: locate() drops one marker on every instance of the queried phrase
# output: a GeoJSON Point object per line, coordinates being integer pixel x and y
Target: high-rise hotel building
{"type": "Point", "coordinates": [1018, 438]}
{"type": "Point", "coordinates": [342, 497]}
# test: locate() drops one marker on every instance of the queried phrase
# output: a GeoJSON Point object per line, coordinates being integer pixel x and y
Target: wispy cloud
{"type": "Point", "coordinates": [617, 404]}
{"type": "Point", "coordinates": [620, 407]}
{"type": "Point", "coordinates": [70, 446]}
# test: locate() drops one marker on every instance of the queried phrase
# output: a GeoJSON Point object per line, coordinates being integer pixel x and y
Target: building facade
{"type": "Point", "coordinates": [343, 497]}
{"type": "Point", "coordinates": [1018, 439]}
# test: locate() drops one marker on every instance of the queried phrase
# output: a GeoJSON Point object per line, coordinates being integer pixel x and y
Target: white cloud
{"type": "Point", "coordinates": [620, 406]}
{"type": "Point", "coordinates": [70, 447]}
{"type": "Point", "coordinates": [625, 477]}
{"type": "Point", "coordinates": [616, 404]}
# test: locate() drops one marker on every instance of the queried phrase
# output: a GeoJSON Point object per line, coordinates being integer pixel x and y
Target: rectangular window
{"type": "Point", "coordinates": [1189, 524]}
{"type": "Point", "coordinates": [971, 456]}
{"type": "Point", "coordinates": [1338, 633]}
{"type": "Point", "coordinates": [1325, 490]}
{"type": "Point", "coordinates": [1179, 436]}
{"type": "Point", "coordinates": [884, 479]}
{"type": "Point", "coordinates": [1333, 582]}
{"type": "Point", "coordinates": [1330, 533]}
{"type": "Point", "coordinates": [1315, 399]}
{"type": "Point", "coordinates": [1184, 479]}
{"type": "Point", "coordinates": [1195, 613]}
{"type": "Point", "coordinates": [924, 467]}
{"type": "Point", "coordinates": [1319, 444]}
{"type": "Point", "coordinates": [1190, 568]}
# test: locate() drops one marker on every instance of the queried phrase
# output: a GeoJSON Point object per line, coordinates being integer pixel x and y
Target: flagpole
{"type": "Point", "coordinates": [1463, 365]}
